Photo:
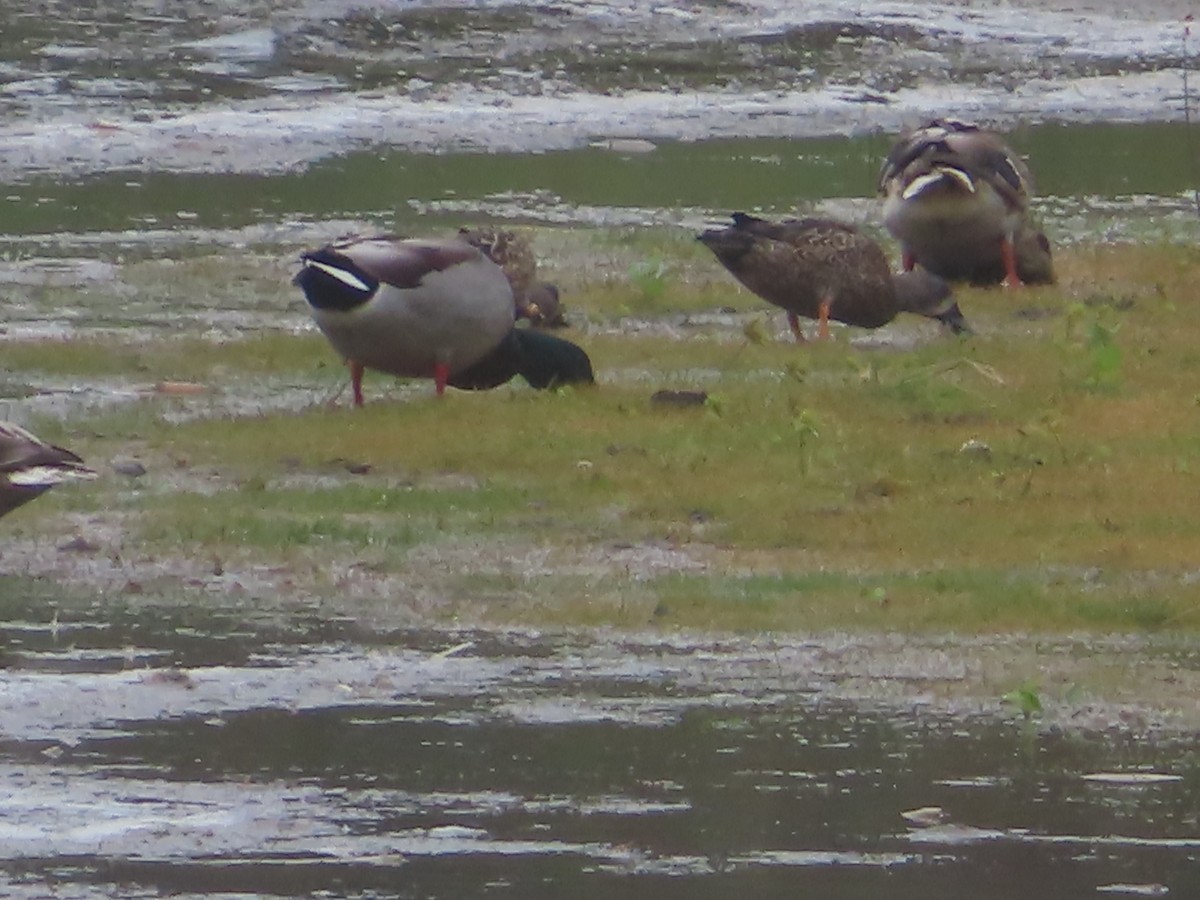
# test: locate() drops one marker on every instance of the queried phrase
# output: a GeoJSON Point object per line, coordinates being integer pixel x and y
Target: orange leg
{"type": "Point", "coordinates": [907, 260]}
{"type": "Point", "coordinates": [356, 377]}
{"type": "Point", "coordinates": [823, 320]}
{"type": "Point", "coordinates": [794, 324]}
{"type": "Point", "coordinates": [441, 374]}
{"type": "Point", "coordinates": [1009, 254]}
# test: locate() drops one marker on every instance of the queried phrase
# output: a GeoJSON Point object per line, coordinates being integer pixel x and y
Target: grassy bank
{"type": "Point", "coordinates": [1040, 475]}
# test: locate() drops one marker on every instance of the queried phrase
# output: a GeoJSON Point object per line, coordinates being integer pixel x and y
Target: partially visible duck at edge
{"type": "Point", "coordinates": [29, 467]}
{"type": "Point", "coordinates": [428, 308]}
{"type": "Point", "coordinates": [956, 197]}
{"type": "Point", "coordinates": [825, 270]}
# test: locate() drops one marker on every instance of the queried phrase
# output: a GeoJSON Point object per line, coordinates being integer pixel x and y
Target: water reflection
{"type": "Point", "coordinates": [165, 749]}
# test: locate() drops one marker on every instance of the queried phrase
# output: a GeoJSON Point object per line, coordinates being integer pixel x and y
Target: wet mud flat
{"type": "Point", "coordinates": [275, 86]}
{"type": "Point", "coordinates": [199, 751]}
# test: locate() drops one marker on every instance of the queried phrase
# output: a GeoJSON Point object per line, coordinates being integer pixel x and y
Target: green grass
{"type": "Point", "coordinates": [376, 516]}
{"type": "Point", "coordinates": [1037, 476]}
{"type": "Point", "coordinates": [961, 599]}
{"type": "Point", "coordinates": [183, 358]}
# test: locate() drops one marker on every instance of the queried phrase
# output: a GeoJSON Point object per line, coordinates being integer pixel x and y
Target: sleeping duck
{"type": "Point", "coordinates": [821, 269]}
{"type": "Point", "coordinates": [430, 308]}
{"type": "Point", "coordinates": [29, 467]}
{"type": "Point", "coordinates": [957, 199]}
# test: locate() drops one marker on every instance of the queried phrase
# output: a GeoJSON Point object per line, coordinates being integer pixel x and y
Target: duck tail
{"type": "Point", "coordinates": [332, 280]}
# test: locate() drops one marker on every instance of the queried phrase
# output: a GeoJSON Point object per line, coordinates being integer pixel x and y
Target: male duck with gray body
{"type": "Point", "coordinates": [957, 199]}
{"type": "Point", "coordinates": [435, 308]}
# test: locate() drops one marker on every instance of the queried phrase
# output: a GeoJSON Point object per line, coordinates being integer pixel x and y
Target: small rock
{"type": "Point", "coordinates": [169, 676]}
{"type": "Point", "coordinates": [1131, 778]}
{"type": "Point", "coordinates": [179, 387]}
{"type": "Point", "coordinates": [976, 448]}
{"type": "Point", "coordinates": [1151, 889]}
{"type": "Point", "coordinates": [129, 467]}
{"type": "Point", "coordinates": [925, 816]}
{"type": "Point", "coordinates": [79, 544]}
{"type": "Point", "coordinates": [625, 145]}
{"type": "Point", "coordinates": [679, 398]}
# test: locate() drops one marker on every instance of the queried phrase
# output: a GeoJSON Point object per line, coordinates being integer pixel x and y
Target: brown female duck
{"type": "Point", "coordinates": [821, 269]}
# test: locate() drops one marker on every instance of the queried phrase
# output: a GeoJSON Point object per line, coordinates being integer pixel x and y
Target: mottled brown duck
{"type": "Point", "coordinates": [821, 269]}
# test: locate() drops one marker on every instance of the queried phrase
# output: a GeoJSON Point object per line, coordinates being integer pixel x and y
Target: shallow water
{"type": "Point", "coordinates": [148, 748]}
{"type": "Point", "coordinates": [1132, 182]}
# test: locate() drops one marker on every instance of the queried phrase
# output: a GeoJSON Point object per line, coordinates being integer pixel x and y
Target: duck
{"type": "Point", "coordinates": [29, 467]}
{"type": "Point", "coordinates": [537, 301]}
{"type": "Point", "coordinates": [543, 306]}
{"type": "Point", "coordinates": [956, 198]}
{"type": "Point", "coordinates": [428, 308]}
{"type": "Point", "coordinates": [824, 269]}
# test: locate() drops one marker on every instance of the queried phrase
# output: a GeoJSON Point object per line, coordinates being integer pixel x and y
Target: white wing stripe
{"type": "Point", "coordinates": [920, 183]}
{"type": "Point", "coordinates": [347, 278]}
{"type": "Point", "coordinates": [45, 476]}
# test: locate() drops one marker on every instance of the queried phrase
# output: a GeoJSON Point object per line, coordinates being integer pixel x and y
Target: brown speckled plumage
{"type": "Point", "coordinates": [800, 264]}
{"type": "Point", "coordinates": [512, 251]}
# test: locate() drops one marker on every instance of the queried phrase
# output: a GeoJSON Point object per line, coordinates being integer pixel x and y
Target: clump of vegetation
{"type": "Point", "coordinates": [1093, 339]}
{"type": "Point", "coordinates": [1026, 699]}
{"type": "Point", "coordinates": [649, 280]}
